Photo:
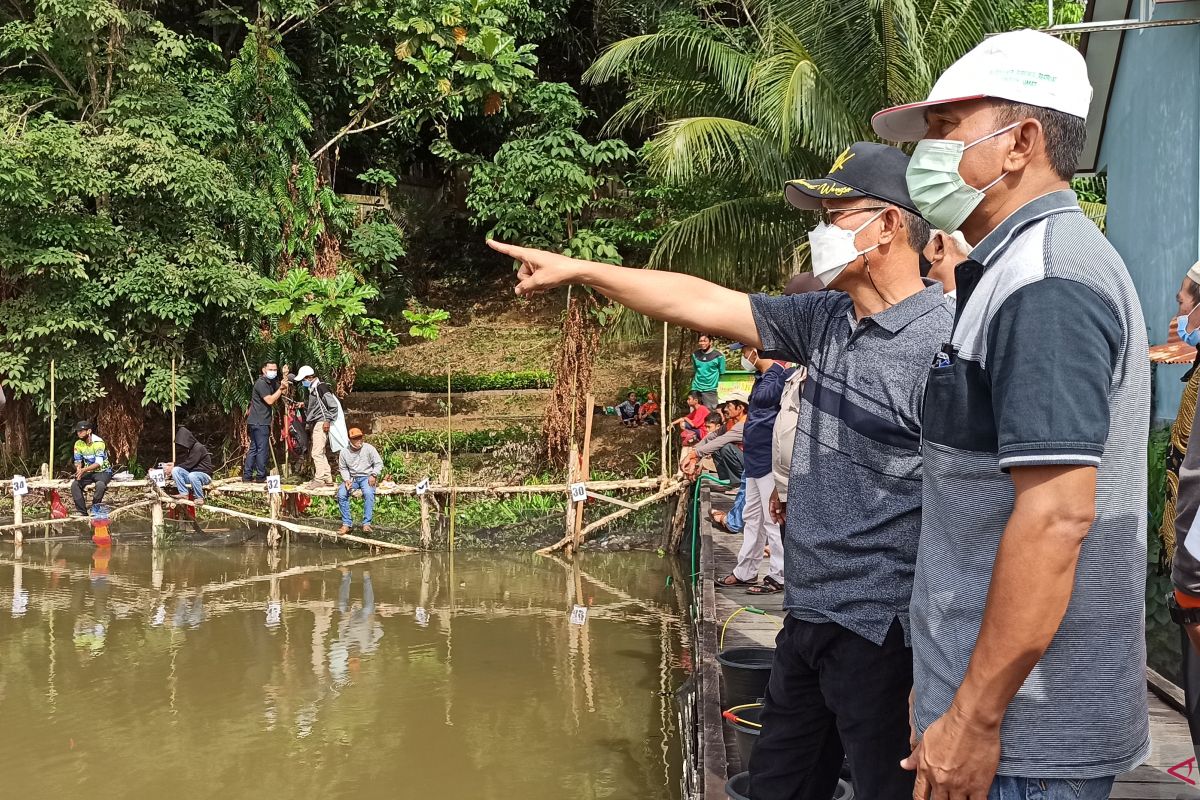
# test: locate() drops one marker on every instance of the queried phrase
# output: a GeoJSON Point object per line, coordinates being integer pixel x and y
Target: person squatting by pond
{"type": "Point", "coordinates": [1009, 439]}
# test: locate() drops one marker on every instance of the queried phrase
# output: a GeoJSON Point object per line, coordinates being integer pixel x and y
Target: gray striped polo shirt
{"type": "Point", "coordinates": [1047, 365]}
{"type": "Point", "coordinates": [854, 494]}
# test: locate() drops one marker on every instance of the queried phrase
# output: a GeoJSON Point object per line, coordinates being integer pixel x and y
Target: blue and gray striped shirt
{"type": "Point", "coordinates": [854, 493]}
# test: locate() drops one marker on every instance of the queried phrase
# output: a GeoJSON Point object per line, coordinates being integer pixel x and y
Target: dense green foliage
{"type": "Point", "coordinates": [460, 441]}
{"type": "Point", "coordinates": [384, 379]}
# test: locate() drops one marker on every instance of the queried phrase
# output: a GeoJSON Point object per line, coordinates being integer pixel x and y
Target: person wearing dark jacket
{"type": "Point", "coordinates": [193, 471]}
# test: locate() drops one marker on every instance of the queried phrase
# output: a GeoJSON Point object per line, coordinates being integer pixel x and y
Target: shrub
{"type": "Point", "coordinates": [461, 441]}
{"type": "Point", "coordinates": [386, 379]}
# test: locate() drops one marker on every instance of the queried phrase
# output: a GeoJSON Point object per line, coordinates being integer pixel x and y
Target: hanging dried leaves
{"type": "Point", "coordinates": [120, 418]}
{"type": "Point", "coordinates": [565, 416]}
{"type": "Point", "coordinates": [491, 104]}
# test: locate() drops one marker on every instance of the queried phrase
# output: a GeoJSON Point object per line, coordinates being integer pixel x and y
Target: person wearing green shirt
{"type": "Point", "coordinates": [91, 467]}
{"type": "Point", "coordinates": [710, 366]}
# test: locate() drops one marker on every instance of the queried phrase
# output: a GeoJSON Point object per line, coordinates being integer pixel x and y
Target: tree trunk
{"type": "Point", "coordinates": [16, 429]}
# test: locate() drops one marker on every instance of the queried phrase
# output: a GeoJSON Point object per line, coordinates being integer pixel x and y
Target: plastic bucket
{"type": "Point", "coordinates": [738, 788]}
{"type": "Point", "coordinates": [744, 673]}
{"type": "Point", "coordinates": [746, 725]}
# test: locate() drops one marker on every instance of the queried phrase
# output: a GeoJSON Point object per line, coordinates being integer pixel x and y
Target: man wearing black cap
{"type": "Point", "coordinates": [843, 669]}
{"type": "Point", "coordinates": [91, 466]}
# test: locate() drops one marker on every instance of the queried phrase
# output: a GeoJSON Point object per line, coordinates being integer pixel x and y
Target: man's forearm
{"type": "Point", "coordinates": [1032, 581]}
{"type": "Point", "coordinates": [679, 299]}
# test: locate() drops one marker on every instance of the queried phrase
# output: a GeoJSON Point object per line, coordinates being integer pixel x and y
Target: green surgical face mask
{"type": "Point", "coordinates": [935, 186]}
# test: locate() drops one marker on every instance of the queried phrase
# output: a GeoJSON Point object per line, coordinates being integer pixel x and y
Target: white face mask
{"type": "Point", "coordinates": [271, 374]}
{"type": "Point", "coordinates": [832, 248]}
{"type": "Point", "coordinates": [747, 364]}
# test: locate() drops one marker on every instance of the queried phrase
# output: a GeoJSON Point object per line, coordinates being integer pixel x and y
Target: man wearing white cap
{"type": "Point", "coordinates": [320, 412]}
{"type": "Point", "coordinates": [1028, 599]}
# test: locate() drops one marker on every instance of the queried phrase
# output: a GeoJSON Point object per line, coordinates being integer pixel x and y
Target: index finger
{"type": "Point", "coordinates": [519, 253]}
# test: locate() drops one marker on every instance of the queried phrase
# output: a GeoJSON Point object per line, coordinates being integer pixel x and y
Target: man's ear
{"type": "Point", "coordinates": [1027, 139]}
{"type": "Point", "coordinates": [893, 222]}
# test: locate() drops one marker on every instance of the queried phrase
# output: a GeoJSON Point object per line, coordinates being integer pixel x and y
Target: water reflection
{"type": "Point", "coordinates": [231, 672]}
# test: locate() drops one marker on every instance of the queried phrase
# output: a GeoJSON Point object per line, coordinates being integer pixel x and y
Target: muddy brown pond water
{"type": "Point", "coordinates": [196, 672]}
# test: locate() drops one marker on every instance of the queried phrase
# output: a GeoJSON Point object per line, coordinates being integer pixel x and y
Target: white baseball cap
{"type": "Point", "coordinates": [1025, 66]}
{"type": "Point", "coordinates": [305, 372]}
{"type": "Point", "coordinates": [1194, 272]}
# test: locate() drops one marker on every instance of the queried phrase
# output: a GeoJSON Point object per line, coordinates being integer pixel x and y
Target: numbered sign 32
{"type": "Point", "coordinates": [578, 615]}
{"type": "Point", "coordinates": [578, 492]}
{"type": "Point", "coordinates": [158, 476]}
{"type": "Point", "coordinates": [274, 484]}
{"type": "Point", "coordinates": [20, 486]}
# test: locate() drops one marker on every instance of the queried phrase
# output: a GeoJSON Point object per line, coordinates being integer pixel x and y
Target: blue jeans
{"type": "Point", "coordinates": [733, 520]}
{"type": "Point", "coordinates": [195, 481]}
{"type": "Point", "coordinates": [1006, 788]}
{"type": "Point", "coordinates": [256, 454]}
{"type": "Point", "coordinates": [343, 496]}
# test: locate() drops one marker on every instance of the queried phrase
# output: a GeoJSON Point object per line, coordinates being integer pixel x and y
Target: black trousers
{"type": "Point", "coordinates": [832, 693]}
{"type": "Point", "coordinates": [100, 478]}
{"type": "Point", "coordinates": [729, 461]}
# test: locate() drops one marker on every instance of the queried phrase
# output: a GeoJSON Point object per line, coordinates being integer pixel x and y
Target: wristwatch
{"type": "Point", "coordinates": [1182, 616]}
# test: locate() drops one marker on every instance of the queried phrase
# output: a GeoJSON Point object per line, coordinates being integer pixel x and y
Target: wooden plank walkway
{"type": "Point", "coordinates": [1170, 740]}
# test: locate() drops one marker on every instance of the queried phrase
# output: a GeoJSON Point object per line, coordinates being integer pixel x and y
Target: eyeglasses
{"type": "Point", "coordinates": [829, 216]}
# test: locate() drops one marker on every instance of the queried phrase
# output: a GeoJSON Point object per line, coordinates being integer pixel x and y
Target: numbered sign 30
{"type": "Point", "coordinates": [578, 615]}
{"type": "Point", "coordinates": [578, 492]}
{"type": "Point", "coordinates": [158, 476]}
{"type": "Point", "coordinates": [19, 485]}
{"type": "Point", "coordinates": [423, 486]}
{"type": "Point", "coordinates": [274, 484]}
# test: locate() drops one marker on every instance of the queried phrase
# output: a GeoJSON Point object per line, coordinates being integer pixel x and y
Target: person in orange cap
{"type": "Point", "coordinates": [360, 466]}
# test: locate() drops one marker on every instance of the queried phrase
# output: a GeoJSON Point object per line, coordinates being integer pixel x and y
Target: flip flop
{"type": "Point", "coordinates": [736, 582]}
{"type": "Point", "coordinates": [768, 586]}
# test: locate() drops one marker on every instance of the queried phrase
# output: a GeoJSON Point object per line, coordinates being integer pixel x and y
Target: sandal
{"type": "Point", "coordinates": [718, 518]}
{"type": "Point", "coordinates": [726, 581]}
{"type": "Point", "coordinates": [768, 586]}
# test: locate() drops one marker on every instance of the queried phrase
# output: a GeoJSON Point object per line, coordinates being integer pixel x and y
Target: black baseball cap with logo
{"type": "Point", "coordinates": [864, 169]}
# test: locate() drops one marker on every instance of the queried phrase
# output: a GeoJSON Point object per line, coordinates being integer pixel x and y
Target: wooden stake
{"type": "Point", "coordinates": [426, 531]}
{"type": "Point", "coordinates": [18, 517]}
{"type": "Point", "coordinates": [157, 526]}
{"type": "Point", "coordinates": [273, 537]}
{"type": "Point", "coordinates": [566, 541]}
{"type": "Point", "coordinates": [586, 463]}
{"type": "Point", "coordinates": [662, 410]}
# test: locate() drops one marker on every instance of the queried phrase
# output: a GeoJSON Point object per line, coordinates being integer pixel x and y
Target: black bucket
{"type": "Point", "coordinates": [738, 788]}
{"type": "Point", "coordinates": [744, 673]}
{"type": "Point", "coordinates": [745, 721]}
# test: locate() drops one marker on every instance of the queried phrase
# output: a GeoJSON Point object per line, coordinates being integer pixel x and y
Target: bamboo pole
{"type": "Point", "coordinates": [586, 465]}
{"type": "Point", "coordinates": [671, 489]}
{"type": "Point", "coordinates": [53, 416]}
{"type": "Point", "coordinates": [273, 509]}
{"type": "Point", "coordinates": [236, 486]}
{"type": "Point", "coordinates": [292, 526]}
{"type": "Point", "coordinates": [450, 457]}
{"type": "Point", "coordinates": [157, 526]}
{"type": "Point", "coordinates": [173, 411]}
{"type": "Point", "coordinates": [662, 410]}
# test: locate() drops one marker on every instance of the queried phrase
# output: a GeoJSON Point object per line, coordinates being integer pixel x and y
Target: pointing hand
{"type": "Point", "coordinates": [540, 270]}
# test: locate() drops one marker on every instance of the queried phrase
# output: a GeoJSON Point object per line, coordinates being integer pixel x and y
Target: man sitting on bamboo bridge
{"type": "Point", "coordinates": [91, 467]}
{"type": "Point", "coordinates": [360, 466]}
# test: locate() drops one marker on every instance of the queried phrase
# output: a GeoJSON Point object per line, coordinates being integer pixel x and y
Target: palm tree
{"type": "Point", "coordinates": [735, 105]}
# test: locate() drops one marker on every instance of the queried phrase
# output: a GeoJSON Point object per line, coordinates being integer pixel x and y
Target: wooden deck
{"type": "Point", "coordinates": [1171, 742]}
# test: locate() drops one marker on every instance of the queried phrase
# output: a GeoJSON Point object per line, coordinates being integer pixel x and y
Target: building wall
{"type": "Point", "coordinates": [1151, 151]}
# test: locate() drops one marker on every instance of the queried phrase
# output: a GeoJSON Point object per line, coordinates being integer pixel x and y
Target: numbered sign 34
{"type": "Point", "coordinates": [274, 484]}
{"type": "Point", "coordinates": [578, 492]}
{"type": "Point", "coordinates": [20, 486]}
{"type": "Point", "coordinates": [578, 615]}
